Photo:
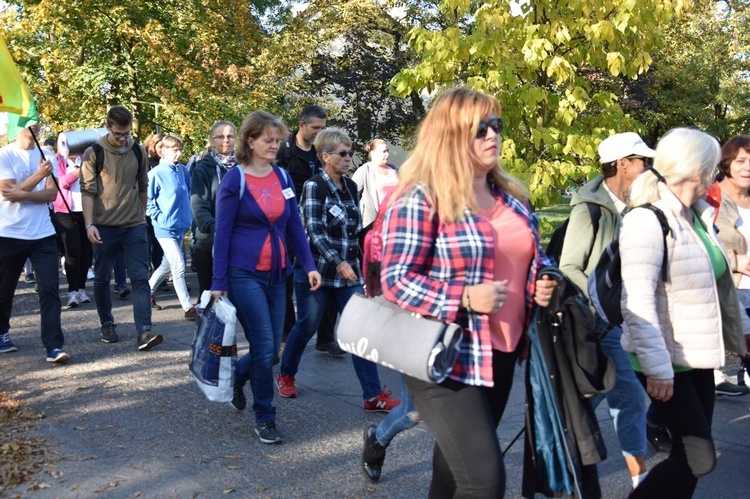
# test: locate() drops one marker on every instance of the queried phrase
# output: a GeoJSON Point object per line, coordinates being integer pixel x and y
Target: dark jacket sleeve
{"type": "Point", "coordinates": [227, 206]}
{"type": "Point", "coordinates": [200, 199]}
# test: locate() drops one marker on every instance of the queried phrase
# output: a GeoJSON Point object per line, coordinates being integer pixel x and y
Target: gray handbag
{"type": "Point", "coordinates": [382, 332]}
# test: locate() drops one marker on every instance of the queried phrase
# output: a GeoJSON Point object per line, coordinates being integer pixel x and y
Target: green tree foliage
{"type": "Point", "coordinates": [342, 55]}
{"type": "Point", "coordinates": [542, 63]}
{"type": "Point", "coordinates": [700, 75]}
{"type": "Point", "coordinates": [194, 58]}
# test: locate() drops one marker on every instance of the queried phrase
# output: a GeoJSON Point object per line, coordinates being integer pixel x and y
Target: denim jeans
{"type": "Point", "coordinates": [627, 399]}
{"type": "Point", "coordinates": [403, 417]}
{"type": "Point", "coordinates": [45, 260]}
{"type": "Point", "coordinates": [132, 241]}
{"type": "Point", "coordinates": [120, 276]}
{"type": "Point", "coordinates": [174, 260]}
{"type": "Point", "coordinates": [310, 308]}
{"type": "Point", "coordinates": [260, 308]}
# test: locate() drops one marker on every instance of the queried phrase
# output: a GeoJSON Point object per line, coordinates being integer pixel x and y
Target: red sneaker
{"type": "Point", "coordinates": [382, 403]}
{"type": "Point", "coordinates": [285, 384]}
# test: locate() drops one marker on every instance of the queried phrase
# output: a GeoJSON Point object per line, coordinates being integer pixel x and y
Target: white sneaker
{"type": "Point", "coordinates": [90, 274]}
{"type": "Point", "coordinates": [72, 299]}
{"type": "Point", "coordinates": [83, 297]}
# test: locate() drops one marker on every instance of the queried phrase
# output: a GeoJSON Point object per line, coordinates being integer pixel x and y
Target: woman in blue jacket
{"type": "Point", "coordinates": [169, 209]}
{"type": "Point", "coordinates": [256, 217]}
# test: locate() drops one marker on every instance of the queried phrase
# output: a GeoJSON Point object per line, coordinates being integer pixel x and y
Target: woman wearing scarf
{"type": "Point", "coordinates": [204, 181]}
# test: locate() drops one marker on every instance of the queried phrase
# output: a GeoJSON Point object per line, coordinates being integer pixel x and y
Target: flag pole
{"type": "Point", "coordinates": [54, 180]}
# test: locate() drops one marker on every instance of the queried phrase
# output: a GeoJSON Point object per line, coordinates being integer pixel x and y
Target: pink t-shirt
{"type": "Point", "coordinates": [384, 184]}
{"type": "Point", "coordinates": [267, 193]}
{"type": "Point", "coordinates": [514, 251]}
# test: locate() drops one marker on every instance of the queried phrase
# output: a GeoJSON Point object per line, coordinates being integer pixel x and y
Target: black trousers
{"type": "Point", "coordinates": [204, 267]}
{"type": "Point", "coordinates": [687, 416]}
{"type": "Point", "coordinates": [78, 251]}
{"type": "Point", "coordinates": [154, 248]}
{"type": "Point", "coordinates": [467, 460]}
{"type": "Point", "coordinates": [44, 258]}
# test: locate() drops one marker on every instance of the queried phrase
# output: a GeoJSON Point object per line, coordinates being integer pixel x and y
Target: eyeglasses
{"type": "Point", "coordinates": [119, 135]}
{"type": "Point", "coordinates": [495, 123]}
{"type": "Point", "coordinates": [223, 137]}
{"type": "Point", "coordinates": [344, 154]}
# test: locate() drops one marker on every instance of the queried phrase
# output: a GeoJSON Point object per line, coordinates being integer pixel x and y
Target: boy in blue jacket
{"type": "Point", "coordinates": [169, 209]}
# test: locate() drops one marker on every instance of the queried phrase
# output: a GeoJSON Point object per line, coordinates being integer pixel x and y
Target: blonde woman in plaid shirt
{"type": "Point", "coordinates": [461, 244]}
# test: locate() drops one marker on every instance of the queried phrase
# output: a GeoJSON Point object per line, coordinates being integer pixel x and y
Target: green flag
{"type": "Point", "coordinates": [15, 97]}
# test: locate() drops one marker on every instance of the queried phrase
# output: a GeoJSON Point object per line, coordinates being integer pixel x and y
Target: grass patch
{"type": "Point", "coordinates": [552, 217]}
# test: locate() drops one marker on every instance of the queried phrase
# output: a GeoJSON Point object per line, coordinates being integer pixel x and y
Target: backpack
{"type": "Point", "coordinates": [99, 153]}
{"type": "Point", "coordinates": [556, 241]}
{"type": "Point", "coordinates": [605, 282]}
{"type": "Point", "coordinates": [373, 252]}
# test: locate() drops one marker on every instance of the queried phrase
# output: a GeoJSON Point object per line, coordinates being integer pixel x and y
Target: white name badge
{"type": "Point", "coordinates": [335, 210]}
{"type": "Point", "coordinates": [288, 193]}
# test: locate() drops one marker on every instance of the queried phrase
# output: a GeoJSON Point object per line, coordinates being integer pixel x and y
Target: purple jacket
{"type": "Point", "coordinates": [242, 227]}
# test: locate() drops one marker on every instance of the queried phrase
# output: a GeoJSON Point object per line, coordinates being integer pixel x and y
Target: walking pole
{"type": "Point", "coordinates": [514, 440]}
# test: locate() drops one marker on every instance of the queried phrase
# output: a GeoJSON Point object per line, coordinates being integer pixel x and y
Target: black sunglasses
{"type": "Point", "coordinates": [495, 123]}
{"type": "Point", "coordinates": [344, 154]}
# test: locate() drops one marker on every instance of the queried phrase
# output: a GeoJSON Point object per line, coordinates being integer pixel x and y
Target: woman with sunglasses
{"type": "Point", "coordinates": [330, 214]}
{"type": "Point", "coordinates": [204, 183]}
{"type": "Point", "coordinates": [461, 244]}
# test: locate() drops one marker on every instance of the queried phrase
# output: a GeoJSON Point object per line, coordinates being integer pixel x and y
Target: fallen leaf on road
{"type": "Point", "coordinates": [234, 467]}
{"type": "Point", "coordinates": [261, 489]}
{"type": "Point", "coordinates": [45, 486]}
{"type": "Point", "coordinates": [232, 457]}
{"type": "Point", "coordinates": [113, 484]}
{"type": "Point", "coordinates": [228, 491]}
{"type": "Point", "coordinates": [75, 486]}
{"type": "Point", "coordinates": [82, 388]}
{"type": "Point", "coordinates": [178, 456]}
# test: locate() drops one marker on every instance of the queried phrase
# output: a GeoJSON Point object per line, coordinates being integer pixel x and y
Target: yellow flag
{"type": "Point", "coordinates": [14, 94]}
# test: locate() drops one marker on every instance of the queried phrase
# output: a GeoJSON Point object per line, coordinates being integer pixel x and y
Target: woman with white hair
{"type": "Point", "coordinates": [676, 329]}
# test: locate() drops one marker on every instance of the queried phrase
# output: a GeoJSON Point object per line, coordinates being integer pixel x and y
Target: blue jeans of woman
{"type": "Point", "coordinates": [260, 308]}
{"type": "Point", "coordinates": [310, 308]}
{"type": "Point", "coordinates": [627, 399]}
{"type": "Point", "coordinates": [403, 417]}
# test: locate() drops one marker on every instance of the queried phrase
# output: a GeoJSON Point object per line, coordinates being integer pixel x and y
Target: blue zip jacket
{"type": "Point", "coordinates": [169, 200]}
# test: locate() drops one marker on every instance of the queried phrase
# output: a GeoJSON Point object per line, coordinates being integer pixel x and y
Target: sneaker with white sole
{"type": "Point", "coordinates": [148, 340]}
{"type": "Point", "coordinates": [57, 355]}
{"type": "Point", "coordinates": [83, 297]}
{"type": "Point", "coordinates": [90, 275]}
{"type": "Point", "coordinates": [267, 433]}
{"type": "Point", "coordinates": [72, 299]}
{"type": "Point", "coordinates": [6, 346]}
{"type": "Point", "coordinates": [382, 403]}
{"type": "Point", "coordinates": [730, 389]}
{"type": "Point", "coordinates": [109, 335]}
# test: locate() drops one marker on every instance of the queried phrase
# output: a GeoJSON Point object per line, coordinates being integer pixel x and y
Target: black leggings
{"type": "Point", "coordinates": [687, 416]}
{"type": "Point", "coordinates": [467, 460]}
{"type": "Point", "coordinates": [78, 251]}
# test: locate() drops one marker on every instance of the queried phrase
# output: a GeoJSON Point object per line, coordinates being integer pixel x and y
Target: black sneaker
{"type": "Point", "coordinates": [373, 455]}
{"type": "Point", "coordinates": [659, 438]}
{"type": "Point", "coordinates": [267, 433]}
{"type": "Point", "coordinates": [331, 348]}
{"type": "Point", "coordinates": [239, 401]}
{"type": "Point", "coordinates": [154, 305]}
{"type": "Point", "coordinates": [163, 286]}
{"type": "Point", "coordinates": [108, 332]}
{"type": "Point", "coordinates": [124, 292]}
{"type": "Point", "coordinates": [148, 340]}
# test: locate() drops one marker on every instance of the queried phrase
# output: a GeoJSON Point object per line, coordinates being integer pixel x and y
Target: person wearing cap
{"type": "Point", "coordinates": [676, 330]}
{"type": "Point", "coordinates": [26, 231]}
{"type": "Point", "coordinates": [623, 157]}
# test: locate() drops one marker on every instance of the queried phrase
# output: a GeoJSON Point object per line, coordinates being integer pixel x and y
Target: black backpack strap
{"type": "Point", "coordinates": [595, 213]}
{"type": "Point", "coordinates": [99, 154]}
{"type": "Point", "coordinates": [666, 230]}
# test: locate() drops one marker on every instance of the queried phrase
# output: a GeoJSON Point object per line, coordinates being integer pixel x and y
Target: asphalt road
{"type": "Point", "coordinates": [123, 423]}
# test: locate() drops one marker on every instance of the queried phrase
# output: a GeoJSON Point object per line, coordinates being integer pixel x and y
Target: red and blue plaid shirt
{"type": "Point", "coordinates": [427, 264]}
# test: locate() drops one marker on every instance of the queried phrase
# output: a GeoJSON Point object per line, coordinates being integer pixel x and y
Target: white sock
{"type": "Point", "coordinates": [638, 479]}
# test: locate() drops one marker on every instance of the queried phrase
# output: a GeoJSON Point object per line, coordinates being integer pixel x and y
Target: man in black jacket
{"type": "Point", "coordinates": [297, 155]}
